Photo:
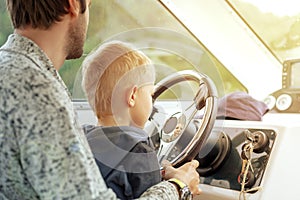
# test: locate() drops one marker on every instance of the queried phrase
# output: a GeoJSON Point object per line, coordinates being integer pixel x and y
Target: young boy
{"type": "Point", "coordinates": [119, 82]}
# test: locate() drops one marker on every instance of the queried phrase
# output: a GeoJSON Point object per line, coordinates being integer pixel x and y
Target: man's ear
{"type": "Point", "coordinates": [74, 9]}
{"type": "Point", "coordinates": [132, 96]}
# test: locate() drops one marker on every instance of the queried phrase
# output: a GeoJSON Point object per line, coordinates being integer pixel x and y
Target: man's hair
{"type": "Point", "coordinates": [38, 13]}
{"type": "Point", "coordinates": [113, 63]}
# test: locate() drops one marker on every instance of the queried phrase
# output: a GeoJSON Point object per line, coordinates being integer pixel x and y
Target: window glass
{"type": "Point", "coordinates": [276, 23]}
{"type": "Point", "coordinates": [152, 28]}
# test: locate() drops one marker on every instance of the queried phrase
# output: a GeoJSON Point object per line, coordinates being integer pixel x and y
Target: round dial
{"type": "Point", "coordinates": [283, 102]}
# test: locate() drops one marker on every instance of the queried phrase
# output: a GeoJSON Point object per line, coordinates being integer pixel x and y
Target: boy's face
{"type": "Point", "coordinates": [143, 107]}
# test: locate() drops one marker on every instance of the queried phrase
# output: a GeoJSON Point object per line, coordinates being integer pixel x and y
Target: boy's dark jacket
{"type": "Point", "coordinates": [125, 157]}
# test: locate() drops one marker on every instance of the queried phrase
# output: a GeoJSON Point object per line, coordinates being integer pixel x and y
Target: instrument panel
{"type": "Point", "coordinates": [230, 151]}
{"type": "Point", "coordinates": [287, 99]}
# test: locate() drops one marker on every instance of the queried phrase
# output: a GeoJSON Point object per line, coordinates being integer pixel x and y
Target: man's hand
{"type": "Point", "coordinates": [186, 173]}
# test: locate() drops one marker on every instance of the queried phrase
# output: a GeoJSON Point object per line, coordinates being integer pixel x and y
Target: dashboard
{"type": "Point", "coordinates": [221, 160]}
{"type": "Point", "coordinates": [273, 167]}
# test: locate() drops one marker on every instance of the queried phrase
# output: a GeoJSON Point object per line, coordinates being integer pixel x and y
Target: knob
{"type": "Point", "coordinates": [260, 141]}
{"type": "Point", "coordinates": [250, 179]}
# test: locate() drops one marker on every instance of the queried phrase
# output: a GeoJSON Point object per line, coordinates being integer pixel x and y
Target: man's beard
{"type": "Point", "coordinates": [75, 41]}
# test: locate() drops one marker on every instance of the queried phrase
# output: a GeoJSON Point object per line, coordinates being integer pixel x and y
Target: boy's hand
{"type": "Point", "coordinates": [186, 173]}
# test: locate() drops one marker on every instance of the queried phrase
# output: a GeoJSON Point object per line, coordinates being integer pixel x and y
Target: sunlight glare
{"type": "Point", "coordinates": [278, 7]}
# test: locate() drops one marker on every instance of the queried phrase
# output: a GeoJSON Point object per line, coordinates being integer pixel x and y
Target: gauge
{"type": "Point", "coordinates": [270, 101]}
{"type": "Point", "coordinates": [283, 102]}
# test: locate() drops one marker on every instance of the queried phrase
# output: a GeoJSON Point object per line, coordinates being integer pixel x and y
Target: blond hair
{"type": "Point", "coordinates": [111, 63]}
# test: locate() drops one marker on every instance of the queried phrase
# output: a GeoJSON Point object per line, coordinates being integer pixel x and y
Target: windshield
{"type": "Point", "coordinates": [150, 26]}
{"type": "Point", "coordinates": [276, 23]}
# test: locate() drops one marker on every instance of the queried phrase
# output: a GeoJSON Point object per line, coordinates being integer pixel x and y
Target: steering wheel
{"type": "Point", "coordinates": [179, 138]}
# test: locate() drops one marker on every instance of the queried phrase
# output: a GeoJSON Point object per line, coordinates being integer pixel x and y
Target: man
{"type": "Point", "coordinates": [44, 154]}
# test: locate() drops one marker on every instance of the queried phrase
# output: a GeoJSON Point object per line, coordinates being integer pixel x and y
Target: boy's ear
{"type": "Point", "coordinates": [132, 96]}
{"type": "Point", "coordinates": [74, 9]}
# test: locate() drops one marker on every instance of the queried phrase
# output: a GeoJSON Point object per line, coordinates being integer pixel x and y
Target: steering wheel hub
{"type": "Point", "coordinates": [173, 127]}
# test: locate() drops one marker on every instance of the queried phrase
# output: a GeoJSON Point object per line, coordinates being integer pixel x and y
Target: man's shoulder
{"type": "Point", "coordinates": [14, 65]}
{"type": "Point", "coordinates": [20, 55]}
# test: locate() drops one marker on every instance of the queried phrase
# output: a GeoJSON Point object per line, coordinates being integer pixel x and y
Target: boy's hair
{"type": "Point", "coordinates": [112, 63]}
{"type": "Point", "coordinates": [38, 13]}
